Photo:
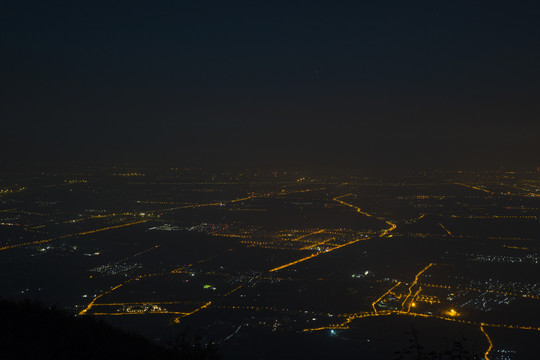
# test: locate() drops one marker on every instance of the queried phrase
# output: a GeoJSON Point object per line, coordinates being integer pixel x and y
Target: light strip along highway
{"type": "Point", "coordinates": [223, 203]}
{"type": "Point", "coordinates": [474, 187]}
{"type": "Point", "coordinates": [316, 254]}
{"type": "Point", "coordinates": [445, 229]}
{"type": "Point", "coordinates": [306, 235]}
{"type": "Point", "coordinates": [488, 339]}
{"type": "Point", "coordinates": [311, 246]}
{"type": "Point", "coordinates": [71, 235]}
{"type": "Point", "coordinates": [350, 205]}
{"type": "Point", "coordinates": [359, 210]}
{"type": "Point", "coordinates": [414, 283]}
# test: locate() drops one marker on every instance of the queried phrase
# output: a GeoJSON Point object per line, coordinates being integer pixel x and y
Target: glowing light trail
{"type": "Point", "coordinates": [350, 205]}
{"type": "Point", "coordinates": [474, 187]}
{"type": "Point", "coordinates": [305, 236]}
{"type": "Point", "coordinates": [489, 341]}
{"type": "Point", "coordinates": [414, 283]}
{"type": "Point", "coordinates": [71, 235]}
{"type": "Point", "coordinates": [316, 254]}
{"type": "Point", "coordinates": [445, 229]}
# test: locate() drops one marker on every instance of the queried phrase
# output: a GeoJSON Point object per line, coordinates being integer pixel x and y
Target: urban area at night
{"type": "Point", "coordinates": [285, 263]}
{"type": "Point", "coordinates": [270, 180]}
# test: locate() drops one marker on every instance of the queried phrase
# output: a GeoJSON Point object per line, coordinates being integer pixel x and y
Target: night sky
{"type": "Point", "coordinates": [351, 85]}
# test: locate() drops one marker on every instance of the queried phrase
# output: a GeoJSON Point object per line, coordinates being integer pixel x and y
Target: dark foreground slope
{"type": "Point", "coordinates": [29, 330]}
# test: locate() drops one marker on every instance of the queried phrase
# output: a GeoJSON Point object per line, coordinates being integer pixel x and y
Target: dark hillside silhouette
{"type": "Point", "coordinates": [29, 330]}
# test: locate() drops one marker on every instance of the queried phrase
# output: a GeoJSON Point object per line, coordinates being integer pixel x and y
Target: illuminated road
{"type": "Point", "coordinates": [316, 254]}
{"type": "Point", "coordinates": [414, 283]}
{"type": "Point", "coordinates": [445, 229]}
{"type": "Point", "coordinates": [89, 306]}
{"type": "Point", "coordinates": [350, 205]}
{"type": "Point", "coordinates": [359, 210]}
{"type": "Point", "coordinates": [141, 252]}
{"type": "Point", "coordinates": [225, 202]}
{"type": "Point", "coordinates": [311, 246]}
{"type": "Point", "coordinates": [71, 235]}
{"type": "Point", "coordinates": [305, 236]}
{"type": "Point", "coordinates": [489, 341]}
{"type": "Point", "coordinates": [295, 262]}
{"type": "Point", "coordinates": [390, 229]}
{"type": "Point", "coordinates": [474, 187]}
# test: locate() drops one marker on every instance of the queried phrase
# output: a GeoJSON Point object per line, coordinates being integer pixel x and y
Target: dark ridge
{"type": "Point", "coordinates": [30, 330]}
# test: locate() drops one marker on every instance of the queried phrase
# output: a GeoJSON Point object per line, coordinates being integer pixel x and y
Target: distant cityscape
{"type": "Point", "coordinates": [256, 260]}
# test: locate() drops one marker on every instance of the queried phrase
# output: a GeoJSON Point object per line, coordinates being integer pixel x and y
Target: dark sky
{"type": "Point", "coordinates": [356, 84]}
